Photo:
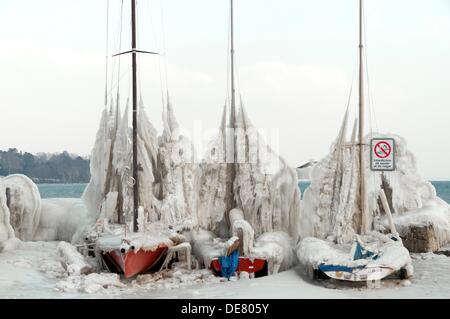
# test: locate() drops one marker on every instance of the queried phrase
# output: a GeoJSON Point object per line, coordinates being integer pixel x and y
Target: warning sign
{"type": "Point", "coordinates": [382, 154]}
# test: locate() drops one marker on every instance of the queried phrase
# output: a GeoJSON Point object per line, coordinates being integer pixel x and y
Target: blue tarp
{"type": "Point", "coordinates": [363, 253]}
{"type": "Point", "coordinates": [229, 264]}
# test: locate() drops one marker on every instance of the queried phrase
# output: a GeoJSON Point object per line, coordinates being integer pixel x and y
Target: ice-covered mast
{"type": "Point", "coordinates": [230, 147]}
{"type": "Point", "coordinates": [136, 166]}
{"type": "Point", "coordinates": [135, 155]}
{"type": "Point", "coordinates": [233, 89]}
{"type": "Point", "coordinates": [362, 179]}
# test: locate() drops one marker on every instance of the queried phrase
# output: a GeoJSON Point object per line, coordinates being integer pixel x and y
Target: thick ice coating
{"type": "Point", "coordinates": [331, 204]}
{"type": "Point", "coordinates": [264, 187]}
{"type": "Point", "coordinates": [167, 172]}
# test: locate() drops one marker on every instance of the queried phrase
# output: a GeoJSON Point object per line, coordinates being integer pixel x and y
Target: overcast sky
{"type": "Point", "coordinates": [295, 62]}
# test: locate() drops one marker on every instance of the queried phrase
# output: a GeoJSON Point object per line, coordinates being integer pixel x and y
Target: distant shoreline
{"type": "Point", "coordinates": [60, 183]}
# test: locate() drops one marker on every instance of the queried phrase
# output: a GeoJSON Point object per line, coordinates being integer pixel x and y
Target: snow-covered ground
{"type": "Point", "coordinates": [34, 270]}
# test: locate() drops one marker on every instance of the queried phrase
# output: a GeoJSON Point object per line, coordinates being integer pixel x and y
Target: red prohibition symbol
{"type": "Point", "coordinates": [382, 149]}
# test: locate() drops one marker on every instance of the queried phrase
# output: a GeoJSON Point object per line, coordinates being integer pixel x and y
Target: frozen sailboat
{"type": "Point", "coordinates": [246, 191]}
{"type": "Point", "coordinates": [338, 210]}
{"type": "Point", "coordinates": [128, 234]}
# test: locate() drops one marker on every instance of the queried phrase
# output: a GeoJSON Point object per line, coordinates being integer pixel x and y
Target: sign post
{"type": "Point", "coordinates": [382, 154]}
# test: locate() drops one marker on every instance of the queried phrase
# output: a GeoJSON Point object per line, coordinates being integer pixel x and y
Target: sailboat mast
{"type": "Point", "coordinates": [362, 180]}
{"type": "Point", "coordinates": [233, 89]}
{"type": "Point", "coordinates": [230, 132]}
{"type": "Point", "coordinates": [135, 154]}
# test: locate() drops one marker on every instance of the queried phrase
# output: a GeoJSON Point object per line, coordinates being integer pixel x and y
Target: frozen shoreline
{"type": "Point", "coordinates": [32, 271]}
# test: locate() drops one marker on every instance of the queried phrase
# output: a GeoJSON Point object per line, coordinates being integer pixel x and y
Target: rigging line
{"type": "Point", "coordinates": [138, 56]}
{"type": "Point", "coordinates": [372, 116]}
{"type": "Point", "coordinates": [349, 100]}
{"type": "Point", "coordinates": [369, 91]}
{"type": "Point", "coordinates": [120, 50]}
{"type": "Point", "coordinates": [106, 85]}
{"type": "Point", "coordinates": [164, 90]}
{"type": "Point", "coordinates": [106, 53]}
{"type": "Point", "coordinates": [227, 95]}
{"type": "Point", "coordinates": [236, 69]}
{"type": "Point", "coordinates": [236, 72]}
{"type": "Point", "coordinates": [370, 96]}
{"type": "Point", "coordinates": [113, 66]}
{"type": "Point", "coordinates": [126, 72]}
{"type": "Point", "coordinates": [352, 81]}
{"type": "Point", "coordinates": [369, 114]}
{"type": "Point", "coordinates": [163, 40]}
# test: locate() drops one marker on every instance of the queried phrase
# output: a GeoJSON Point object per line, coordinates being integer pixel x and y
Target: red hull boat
{"type": "Point", "coordinates": [133, 263]}
{"type": "Point", "coordinates": [250, 265]}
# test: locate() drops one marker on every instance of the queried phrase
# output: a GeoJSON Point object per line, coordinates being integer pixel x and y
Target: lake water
{"type": "Point", "coordinates": [75, 190]}
{"type": "Point", "coordinates": [61, 190]}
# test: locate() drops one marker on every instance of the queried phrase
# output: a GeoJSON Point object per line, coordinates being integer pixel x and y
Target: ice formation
{"type": "Point", "coordinates": [24, 205]}
{"type": "Point", "coordinates": [178, 173]}
{"type": "Point", "coordinates": [61, 219]}
{"type": "Point", "coordinates": [264, 187]}
{"type": "Point", "coordinates": [174, 191]}
{"type": "Point", "coordinates": [99, 162]}
{"type": "Point", "coordinates": [214, 187]}
{"type": "Point", "coordinates": [24, 215]}
{"type": "Point", "coordinates": [257, 199]}
{"type": "Point", "coordinates": [167, 172]}
{"type": "Point", "coordinates": [330, 206]}
{"type": "Point", "coordinates": [108, 192]}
